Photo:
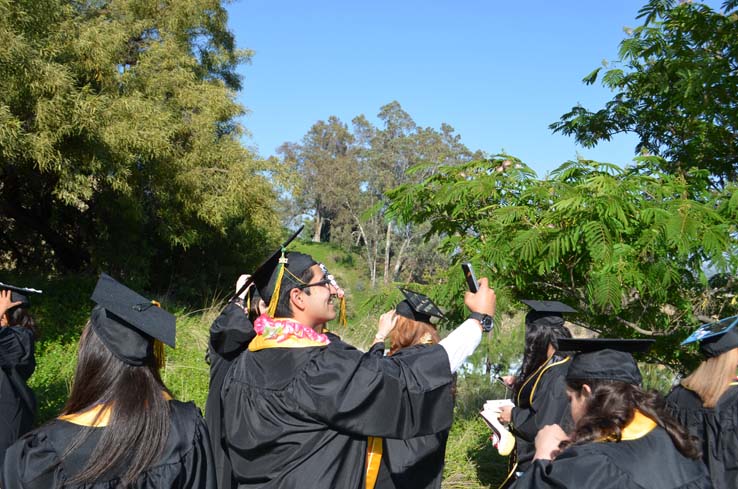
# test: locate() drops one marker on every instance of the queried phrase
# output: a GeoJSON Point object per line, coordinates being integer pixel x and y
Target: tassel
{"type": "Point", "coordinates": [272, 310]}
{"type": "Point", "coordinates": [342, 315]}
{"type": "Point", "coordinates": [159, 355]}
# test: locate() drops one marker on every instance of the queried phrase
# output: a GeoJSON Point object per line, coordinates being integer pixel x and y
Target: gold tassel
{"type": "Point", "coordinates": [159, 354]}
{"type": "Point", "coordinates": [342, 316]}
{"type": "Point", "coordinates": [275, 295]}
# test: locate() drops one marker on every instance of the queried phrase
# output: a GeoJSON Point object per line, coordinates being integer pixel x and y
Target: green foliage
{"type": "Point", "coordinates": [118, 126]}
{"type": "Point", "coordinates": [626, 247]}
{"type": "Point", "coordinates": [675, 86]}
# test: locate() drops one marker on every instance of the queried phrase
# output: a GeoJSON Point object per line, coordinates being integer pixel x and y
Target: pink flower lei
{"type": "Point", "coordinates": [281, 329]}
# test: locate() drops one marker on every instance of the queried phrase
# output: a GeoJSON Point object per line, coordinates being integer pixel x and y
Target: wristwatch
{"type": "Point", "coordinates": [485, 319]}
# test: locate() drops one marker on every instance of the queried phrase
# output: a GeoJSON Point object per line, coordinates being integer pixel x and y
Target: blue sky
{"type": "Point", "coordinates": [498, 72]}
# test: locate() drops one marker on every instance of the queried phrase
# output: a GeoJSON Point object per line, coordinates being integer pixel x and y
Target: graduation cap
{"type": "Point", "coordinates": [19, 294]}
{"type": "Point", "coordinates": [546, 313]}
{"type": "Point", "coordinates": [604, 359]}
{"type": "Point", "coordinates": [716, 338]}
{"type": "Point", "coordinates": [417, 306]}
{"type": "Point", "coordinates": [130, 325]}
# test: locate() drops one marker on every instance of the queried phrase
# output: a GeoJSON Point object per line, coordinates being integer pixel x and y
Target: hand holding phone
{"type": "Point", "coordinates": [471, 279]}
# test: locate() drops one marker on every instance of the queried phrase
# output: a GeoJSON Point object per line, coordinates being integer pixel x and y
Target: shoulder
{"type": "Point", "coordinates": [34, 460]}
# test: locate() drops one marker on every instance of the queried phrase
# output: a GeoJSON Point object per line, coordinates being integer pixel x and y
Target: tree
{"type": "Point", "coordinates": [119, 143]}
{"type": "Point", "coordinates": [627, 248]}
{"type": "Point", "coordinates": [675, 85]}
{"type": "Point", "coordinates": [324, 172]}
{"type": "Point", "coordinates": [340, 177]}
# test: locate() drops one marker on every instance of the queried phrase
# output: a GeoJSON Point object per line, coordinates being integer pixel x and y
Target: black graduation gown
{"type": "Point", "coordinates": [717, 428]}
{"type": "Point", "coordinates": [416, 463]}
{"type": "Point", "coordinates": [17, 402]}
{"type": "Point", "coordinates": [300, 417]}
{"type": "Point", "coordinates": [650, 462]}
{"type": "Point", "coordinates": [541, 401]}
{"type": "Point", "coordinates": [34, 461]}
{"type": "Point", "coordinates": [230, 334]}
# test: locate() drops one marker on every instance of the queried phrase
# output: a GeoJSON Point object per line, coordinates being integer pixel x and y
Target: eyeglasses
{"type": "Point", "coordinates": [326, 281]}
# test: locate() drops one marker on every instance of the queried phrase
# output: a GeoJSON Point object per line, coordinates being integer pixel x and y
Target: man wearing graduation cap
{"type": "Point", "coordinates": [706, 401]}
{"type": "Point", "coordinates": [17, 338]}
{"type": "Point", "coordinates": [622, 438]}
{"type": "Point", "coordinates": [300, 410]}
{"type": "Point", "coordinates": [538, 389]}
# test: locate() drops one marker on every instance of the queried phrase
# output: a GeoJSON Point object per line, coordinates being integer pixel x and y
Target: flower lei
{"type": "Point", "coordinates": [282, 329]}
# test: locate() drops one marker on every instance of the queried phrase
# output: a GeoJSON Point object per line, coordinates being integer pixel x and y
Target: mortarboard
{"type": "Point", "coordinates": [129, 324]}
{"type": "Point", "coordinates": [604, 359]}
{"type": "Point", "coordinates": [546, 313]}
{"type": "Point", "coordinates": [263, 272]}
{"type": "Point", "coordinates": [417, 306]}
{"type": "Point", "coordinates": [716, 338]}
{"type": "Point", "coordinates": [19, 294]}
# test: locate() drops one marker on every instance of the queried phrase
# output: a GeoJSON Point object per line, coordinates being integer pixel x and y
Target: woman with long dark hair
{"type": "Point", "coordinates": [539, 390]}
{"type": "Point", "coordinates": [706, 402]}
{"type": "Point", "coordinates": [623, 437]}
{"type": "Point", "coordinates": [120, 426]}
{"type": "Point", "coordinates": [17, 362]}
{"type": "Point", "coordinates": [416, 462]}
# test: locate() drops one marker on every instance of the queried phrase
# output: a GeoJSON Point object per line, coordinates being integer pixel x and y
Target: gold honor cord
{"type": "Point", "coordinates": [533, 391]}
{"type": "Point", "coordinates": [373, 459]}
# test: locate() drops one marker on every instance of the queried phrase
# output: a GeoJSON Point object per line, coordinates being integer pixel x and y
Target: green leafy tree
{"type": "Point", "coordinates": [675, 85]}
{"type": "Point", "coordinates": [324, 173]}
{"type": "Point", "coordinates": [119, 146]}
{"type": "Point", "coordinates": [629, 249]}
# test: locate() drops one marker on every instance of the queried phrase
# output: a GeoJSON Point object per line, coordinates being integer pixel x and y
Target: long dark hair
{"type": "Point", "coordinates": [138, 427]}
{"type": "Point", "coordinates": [537, 338]}
{"type": "Point", "coordinates": [19, 316]}
{"type": "Point", "coordinates": [612, 405]}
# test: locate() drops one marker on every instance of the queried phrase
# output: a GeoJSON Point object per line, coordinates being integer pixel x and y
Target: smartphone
{"type": "Point", "coordinates": [471, 280]}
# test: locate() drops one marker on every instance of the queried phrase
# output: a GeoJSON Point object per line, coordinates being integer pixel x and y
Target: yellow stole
{"type": "Point", "coordinates": [639, 426]}
{"type": "Point", "coordinates": [97, 416]}
{"type": "Point", "coordinates": [373, 458]}
{"type": "Point", "coordinates": [261, 343]}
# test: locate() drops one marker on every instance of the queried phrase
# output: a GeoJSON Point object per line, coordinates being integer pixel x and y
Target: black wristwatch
{"type": "Point", "coordinates": [485, 319]}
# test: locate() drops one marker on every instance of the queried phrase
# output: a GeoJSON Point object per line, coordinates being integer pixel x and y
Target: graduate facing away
{"type": "Point", "coordinates": [302, 409]}
{"type": "Point", "coordinates": [622, 438]}
{"type": "Point", "coordinates": [120, 426]}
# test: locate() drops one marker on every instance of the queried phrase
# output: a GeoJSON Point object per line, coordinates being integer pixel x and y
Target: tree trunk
{"type": "Point", "coordinates": [318, 226]}
{"type": "Point", "coordinates": [387, 246]}
{"type": "Point", "coordinates": [400, 257]}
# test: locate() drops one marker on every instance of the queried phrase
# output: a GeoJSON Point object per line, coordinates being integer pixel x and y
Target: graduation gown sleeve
{"type": "Point", "coordinates": [17, 401]}
{"type": "Point", "coordinates": [395, 397]}
{"type": "Point", "coordinates": [230, 334]}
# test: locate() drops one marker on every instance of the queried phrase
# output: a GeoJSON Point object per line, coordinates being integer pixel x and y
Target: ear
{"type": "Point", "coordinates": [297, 299]}
{"type": "Point", "coordinates": [586, 390]}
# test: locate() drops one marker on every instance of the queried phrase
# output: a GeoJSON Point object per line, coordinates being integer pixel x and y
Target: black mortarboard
{"type": "Point", "coordinates": [716, 338]}
{"type": "Point", "coordinates": [546, 313]}
{"type": "Point", "coordinates": [128, 323]}
{"type": "Point", "coordinates": [604, 359]}
{"type": "Point", "coordinates": [263, 273]}
{"type": "Point", "coordinates": [19, 294]}
{"type": "Point", "coordinates": [417, 306]}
